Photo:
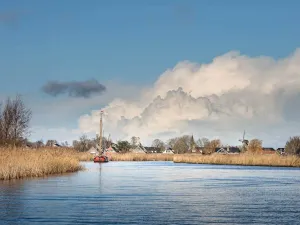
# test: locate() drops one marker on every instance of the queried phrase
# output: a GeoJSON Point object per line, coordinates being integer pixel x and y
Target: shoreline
{"type": "Point", "coordinates": [18, 164]}
{"type": "Point", "coordinates": [267, 160]}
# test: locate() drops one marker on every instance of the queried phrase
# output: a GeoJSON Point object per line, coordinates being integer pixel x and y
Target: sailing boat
{"type": "Point", "coordinates": [101, 158]}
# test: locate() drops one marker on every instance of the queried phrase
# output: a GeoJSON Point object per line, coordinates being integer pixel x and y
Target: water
{"type": "Point", "coordinates": [155, 193]}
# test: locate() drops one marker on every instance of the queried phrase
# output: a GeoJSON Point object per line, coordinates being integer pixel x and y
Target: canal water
{"type": "Point", "coordinates": [155, 193]}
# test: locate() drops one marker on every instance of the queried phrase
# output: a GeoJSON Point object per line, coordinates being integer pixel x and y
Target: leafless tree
{"type": "Point", "coordinates": [180, 144]}
{"type": "Point", "coordinates": [255, 146]}
{"type": "Point", "coordinates": [293, 146]}
{"type": "Point", "coordinates": [51, 143]}
{"type": "Point", "coordinates": [159, 144]}
{"type": "Point", "coordinates": [15, 119]}
{"type": "Point", "coordinates": [211, 146]}
{"type": "Point", "coordinates": [202, 142]}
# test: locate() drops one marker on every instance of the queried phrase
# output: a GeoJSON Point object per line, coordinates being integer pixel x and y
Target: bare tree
{"type": "Point", "coordinates": [159, 144]}
{"type": "Point", "coordinates": [255, 146]}
{"type": "Point", "coordinates": [182, 144]}
{"type": "Point", "coordinates": [40, 143]}
{"type": "Point", "coordinates": [15, 119]}
{"type": "Point", "coordinates": [171, 142]}
{"type": "Point", "coordinates": [51, 143]}
{"type": "Point", "coordinates": [293, 146]}
{"type": "Point", "coordinates": [202, 142]}
{"type": "Point", "coordinates": [211, 146]}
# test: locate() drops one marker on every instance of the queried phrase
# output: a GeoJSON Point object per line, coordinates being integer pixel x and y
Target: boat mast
{"type": "Point", "coordinates": [100, 141]}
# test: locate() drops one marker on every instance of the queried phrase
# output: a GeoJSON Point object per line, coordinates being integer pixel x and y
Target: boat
{"type": "Point", "coordinates": [101, 158]}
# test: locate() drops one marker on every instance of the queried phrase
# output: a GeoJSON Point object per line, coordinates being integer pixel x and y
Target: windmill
{"type": "Point", "coordinates": [244, 141]}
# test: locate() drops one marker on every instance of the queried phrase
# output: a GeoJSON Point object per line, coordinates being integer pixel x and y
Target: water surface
{"type": "Point", "coordinates": [155, 193]}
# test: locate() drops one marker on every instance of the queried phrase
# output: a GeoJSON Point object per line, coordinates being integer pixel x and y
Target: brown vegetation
{"type": "Point", "coordinates": [141, 157]}
{"type": "Point", "coordinates": [246, 159]}
{"type": "Point", "coordinates": [210, 146]}
{"type": "Point", "coordinates": [255, 146]}
{"type": "Point", "coordinates": [21, 163]}
{"type": "Point", "coordinates": [293, 146]}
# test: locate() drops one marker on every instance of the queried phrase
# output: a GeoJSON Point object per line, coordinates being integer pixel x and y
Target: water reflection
{"type": "Point", "coordinates": [156, 193]}
{"type": "Point", "coordinates": [10, 197]}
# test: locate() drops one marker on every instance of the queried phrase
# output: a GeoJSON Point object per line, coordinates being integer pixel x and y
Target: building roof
{"type": "Point", "coordinates": [268, 149]}
{"type": "Point", "coordinates": [229, 149]}
{"type": "Point", "coordinates": [152, 149]}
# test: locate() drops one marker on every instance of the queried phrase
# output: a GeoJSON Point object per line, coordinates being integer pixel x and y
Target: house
{"type": "Point", "coordinates": [110, 150]}
{"type": "Point", "coordinates": [228, 150]}
{"type": "Point", "coordinates": [268, 150]}
{"type": "Point", "coordinates": [196, 149]}
{"type": "Point", "coordinates": [152, 149]}
{"type": "Point", "coordinates": [93, 151]}
{"type": "Point", "coordinates": [168, 151]}
{"type": "Point", "coordinates": [138, 149]}
{"type": "Point", "coordinates": [280, 151]}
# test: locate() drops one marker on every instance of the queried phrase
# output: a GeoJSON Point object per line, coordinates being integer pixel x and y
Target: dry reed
{"type": "Point", "coordinates": [240, 159]}
{"type": "Point", "coordinates": [141, 157]}
{"type": "Point", "coordinates": [21, 163]}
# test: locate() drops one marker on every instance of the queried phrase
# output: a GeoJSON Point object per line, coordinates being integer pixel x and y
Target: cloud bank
{"type": "Point", "coordinates": [74, 89]}
{"type": "Point", "coordinates": [215, 100]}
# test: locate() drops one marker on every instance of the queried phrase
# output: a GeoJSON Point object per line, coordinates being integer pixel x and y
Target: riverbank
{"type": "Point", "coordinates": [23, 163]}
{"type": "Point", "coordinates": [141, 157]}
{"type": "Point", "coordinates": [240, 159]}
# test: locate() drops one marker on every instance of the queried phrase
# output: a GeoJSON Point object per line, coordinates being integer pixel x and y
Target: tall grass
{"type": "Point", "coordinates": [22, 163]}
{"type": "Point", "coordinates": [246, 159]}
{"type": "Point", "coordinates": [141, 157]}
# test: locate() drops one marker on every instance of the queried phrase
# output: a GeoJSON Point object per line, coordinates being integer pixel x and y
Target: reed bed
{"type": "Point", "coordinates": [23, 163]}
{"type": "Point", "coordinates": [240, 159]}
{"type": "Point", "coordinates": [141, 157]}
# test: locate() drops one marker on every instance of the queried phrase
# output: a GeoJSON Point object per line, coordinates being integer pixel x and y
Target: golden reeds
{"type": "Point", "coordinates": [246, 159]}
{"type": "Point", "coordinates": [141, 157]}
{"type": "Point", "coordinates": [21, 163]}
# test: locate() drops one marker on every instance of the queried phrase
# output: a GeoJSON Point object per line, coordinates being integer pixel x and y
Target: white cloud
{"type": "Point", "coordinates": [220, 99]}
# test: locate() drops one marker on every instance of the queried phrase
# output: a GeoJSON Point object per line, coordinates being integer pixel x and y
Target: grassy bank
{"type": "Point", "coordinates": [241, 159]}
{"type": "Point", "coordinates": [22, 163]}
{"type": "Point", "coordinates": [141, 157]}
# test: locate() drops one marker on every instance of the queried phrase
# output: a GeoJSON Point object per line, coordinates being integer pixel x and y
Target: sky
{"type": "Point", "coordinates": [159, 69]}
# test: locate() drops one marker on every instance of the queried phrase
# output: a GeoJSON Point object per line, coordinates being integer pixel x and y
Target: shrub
{"type": "Point", "coordinates": [255, 146]}
{"type": "Point", "coordinates": [292, 146]}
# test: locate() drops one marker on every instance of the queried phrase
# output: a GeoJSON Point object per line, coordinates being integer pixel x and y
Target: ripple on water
{"type": "Point", "coordinates": [155, 193]}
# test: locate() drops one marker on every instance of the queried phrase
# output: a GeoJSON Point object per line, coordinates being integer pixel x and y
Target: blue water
{"type": "Point", "coordinates": [155, 193]}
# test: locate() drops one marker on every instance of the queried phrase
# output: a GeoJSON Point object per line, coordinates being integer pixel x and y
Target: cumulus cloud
{"type": "Point", "coordinates": [74, 88]}
{"type": "Point", "coordinates": [219, 99]}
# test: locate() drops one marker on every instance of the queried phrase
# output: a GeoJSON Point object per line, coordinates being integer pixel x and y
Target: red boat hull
{"type": "Point", "coordinates": [100, 159]}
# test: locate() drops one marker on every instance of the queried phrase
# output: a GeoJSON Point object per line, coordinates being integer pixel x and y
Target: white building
{"type": "Point", "coordinates": [93, 151]}
{"type": "Point", "coordinates": [168, 151]}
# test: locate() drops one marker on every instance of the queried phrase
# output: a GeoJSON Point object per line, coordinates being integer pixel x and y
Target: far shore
{"type": "Point", "coordinates": [245, 159]}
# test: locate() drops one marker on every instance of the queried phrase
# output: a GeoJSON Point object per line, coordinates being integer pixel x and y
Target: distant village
{"type": "Point", "coordinates": [179, 145]}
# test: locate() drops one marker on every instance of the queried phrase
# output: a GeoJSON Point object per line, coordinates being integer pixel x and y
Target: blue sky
{"type": "Point", "coordinates": [128, 42]}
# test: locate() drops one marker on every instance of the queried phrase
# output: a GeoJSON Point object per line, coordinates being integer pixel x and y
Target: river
{"type": "Point", "coordinates": [155, 193]}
